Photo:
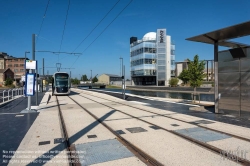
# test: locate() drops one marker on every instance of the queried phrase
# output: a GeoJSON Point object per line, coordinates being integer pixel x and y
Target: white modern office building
{"type": "Point", "coordinates": [152, 59]}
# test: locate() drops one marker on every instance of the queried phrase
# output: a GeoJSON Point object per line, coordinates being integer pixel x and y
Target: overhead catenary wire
{"type": "Point", "coordinates": [94, 28]}
{"type": "Point", "coordinates": [103, 30]}
{"type": "Point", "coordinates": [97, 25]}
{"type": "Point", "coordinates": [42, 21]}
{"type": "Point", "coordinates": [64, 28]}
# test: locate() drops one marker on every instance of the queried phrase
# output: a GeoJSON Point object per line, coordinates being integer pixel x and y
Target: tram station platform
{"type": "Point", "coordinates": [43, 142]}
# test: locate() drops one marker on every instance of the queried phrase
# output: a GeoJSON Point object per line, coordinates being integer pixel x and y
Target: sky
{"type": "Point", "coordinates": [102, 35]}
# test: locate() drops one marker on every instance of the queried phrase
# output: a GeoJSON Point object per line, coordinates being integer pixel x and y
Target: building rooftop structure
{"type": "Point", "coordinates": [112, 75]}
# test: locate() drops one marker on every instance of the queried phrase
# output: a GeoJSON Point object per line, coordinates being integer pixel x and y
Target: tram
{"type": "Point", "coordinates": [61, 83]}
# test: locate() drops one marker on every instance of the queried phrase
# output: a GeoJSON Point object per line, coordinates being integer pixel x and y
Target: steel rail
{"type": "Point", "coordinates": [214, 149]}
{"type": "Point", "coordinates": [147, 159]}
{"type": "Point", "coordinates": [232, 135]}
{"type": "Point", "coordinates": [73, 161]}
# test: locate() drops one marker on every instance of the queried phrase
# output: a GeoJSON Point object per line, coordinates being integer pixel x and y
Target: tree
{"type": "Point", "coordinates": [84, 78]}
{"type": "Point", "coordinates": [75, 81]}
{"type": "Point", "coordinates": [195, 72]}
{"type": "Point", "coordinates": [173, 82]}
{"type": "Point", "coordinates": [50, 79]}
{"type": "Point", "coordinates": [8, 82]}
{"type": "Point", "coordinates": [94, 79]}
{"type": "Point", "coordinates": [184, 76]}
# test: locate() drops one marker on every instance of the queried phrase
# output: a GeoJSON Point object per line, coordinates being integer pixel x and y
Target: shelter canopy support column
{"type": "Point", "coordinates": [216, 95]}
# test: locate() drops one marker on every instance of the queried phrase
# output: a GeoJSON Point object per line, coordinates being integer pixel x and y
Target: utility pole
{"type": "Point", "coordinates": [124, 82]}
{"type": "Point", "coordinates": [36, 84]}
{"type": "Point", "coordinates": [122, 76]}
{"type": "Point", "coordinates": [91, 79]}
{"type": "Point", "coordinates": [25, 60]}
{"type": "Point", "coordinates": [30, 71]}
{"type": "Point", "coordinates": [43, 66]}
{"type": "Point", "coordinates": [34, 58]}
{"type": "Point", "coordinates": [25, 73]}
{"type": "Point", "coordinates": [43, 78]}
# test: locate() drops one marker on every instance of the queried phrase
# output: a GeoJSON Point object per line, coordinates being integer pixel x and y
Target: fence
{"type": "Point", "coordinates": [119, 83]}
{"type": "Point", "coordinates": [10, 94]}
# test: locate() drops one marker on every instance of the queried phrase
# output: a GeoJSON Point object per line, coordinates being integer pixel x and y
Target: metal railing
{"type": "Point", "coordinates": [10, 94]}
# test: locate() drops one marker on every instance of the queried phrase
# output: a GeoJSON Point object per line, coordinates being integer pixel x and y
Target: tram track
{"type": "Point", "coordinates": [72, 156]}
{"type": "Point", "coordinates": [191, 123]}
{"type": "Point", "coordinates": [214, 149]}
{"type": "Point", "coordinates": [144, 157]}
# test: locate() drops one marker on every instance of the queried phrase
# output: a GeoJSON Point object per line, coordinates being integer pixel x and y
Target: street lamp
{"type": "Point", "coordinates": [26, 53]}
{"type": "Point", "coordinates": [122, 66]}
{"type": "Point", "coordinates": [91, 79]}
{"type": "Point", "coordinates": [123, 87]}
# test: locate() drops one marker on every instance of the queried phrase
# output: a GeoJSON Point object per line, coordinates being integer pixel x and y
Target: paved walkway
{"type": "Point", "coordinates": [13, 124]}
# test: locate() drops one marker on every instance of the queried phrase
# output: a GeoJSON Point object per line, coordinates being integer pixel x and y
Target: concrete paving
{"type": "Point", "coordinates": [169, 150]}
{"type": "Point", "coordinates": [40, 140]}
{"type": "Point", "coordinates": [161, 121]}
{"type": "Point", "coordinates": [14, 125]}
{"type": "Point", "coordinates": [98, 146]}
{"type": "Point", "coordinates": [183, 107]}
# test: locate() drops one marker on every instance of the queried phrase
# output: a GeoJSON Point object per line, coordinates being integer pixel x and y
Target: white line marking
{"type": "Point", "coordinates": [9, 113]}
{"type": "Point", "coordinates": [151, 99]}
{"type": "Point", "coordinates": [139, 102]}
{"type": "Point", "coordinates": [19, 115]}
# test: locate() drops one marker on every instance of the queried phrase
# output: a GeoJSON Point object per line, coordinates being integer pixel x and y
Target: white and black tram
{"type": "Point", "coordinates": [61, 83]}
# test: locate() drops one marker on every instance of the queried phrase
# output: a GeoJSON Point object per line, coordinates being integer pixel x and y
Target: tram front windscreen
{"type": "Point", "coordinates": [61, 80]}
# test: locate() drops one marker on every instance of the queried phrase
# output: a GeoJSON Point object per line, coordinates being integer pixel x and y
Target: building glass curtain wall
{"type": "Point", "coordinates": [152, 59]}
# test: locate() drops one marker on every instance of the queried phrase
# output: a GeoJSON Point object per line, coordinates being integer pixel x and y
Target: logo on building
{"type": "Point", "coordinates": [161, 36]}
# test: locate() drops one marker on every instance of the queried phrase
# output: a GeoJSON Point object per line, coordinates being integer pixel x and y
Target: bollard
{"type": "Point", "coordinates": [12, 93]}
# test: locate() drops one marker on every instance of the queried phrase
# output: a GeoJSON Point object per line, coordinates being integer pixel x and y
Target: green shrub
{"type": "Point", "coordinates": [173, 82]}
{"type": "Point", "coordinates": [8, 82]}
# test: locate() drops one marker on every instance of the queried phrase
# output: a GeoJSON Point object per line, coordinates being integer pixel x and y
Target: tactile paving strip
{"type": "Point", "coordinates": [203, 135]}
{"type": "Point", "coordinates": [101, 151]}
{"type": "Point", "coordinates": [155, 127]}
{"type": "Point", "coordinates": [136, 130]}
{"type": "Point", "coordinates": [120, 132]}
{"type": "Point", "coordinates": [202, 122]}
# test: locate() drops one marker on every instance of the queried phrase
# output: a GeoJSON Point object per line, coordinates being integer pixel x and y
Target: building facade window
{"type": "Point", "coordinates": [15, 70]}
{"type": "Point", "coordinates": [15, 65]}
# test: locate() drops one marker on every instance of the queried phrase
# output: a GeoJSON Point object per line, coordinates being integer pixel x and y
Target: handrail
{"type": "Point", "coordinates": [12, 95]}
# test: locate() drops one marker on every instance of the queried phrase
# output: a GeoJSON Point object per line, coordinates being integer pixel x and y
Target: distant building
{"type": "Point", "coordinates": [152, 59]}
{"type": "Point", "coordinates": [4, 74]}
{"type": "Point", "coordinates": [180, 66]}
{"type": "Point", "coordinates": [209, 69]}
{"type": "Point", "coordinates": [109, 78]}
{"type": "Point", "coordinates": [14, 64]}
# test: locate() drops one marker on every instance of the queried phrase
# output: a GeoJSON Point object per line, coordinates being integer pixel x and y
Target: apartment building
{"type": "Point", "coordinates": [17, 65]}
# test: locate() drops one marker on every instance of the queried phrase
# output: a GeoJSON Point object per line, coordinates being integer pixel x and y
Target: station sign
{"type": "Point", "coordinates": [30, 84]}
{"type": "Point", "coordinates": [30, 64]}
